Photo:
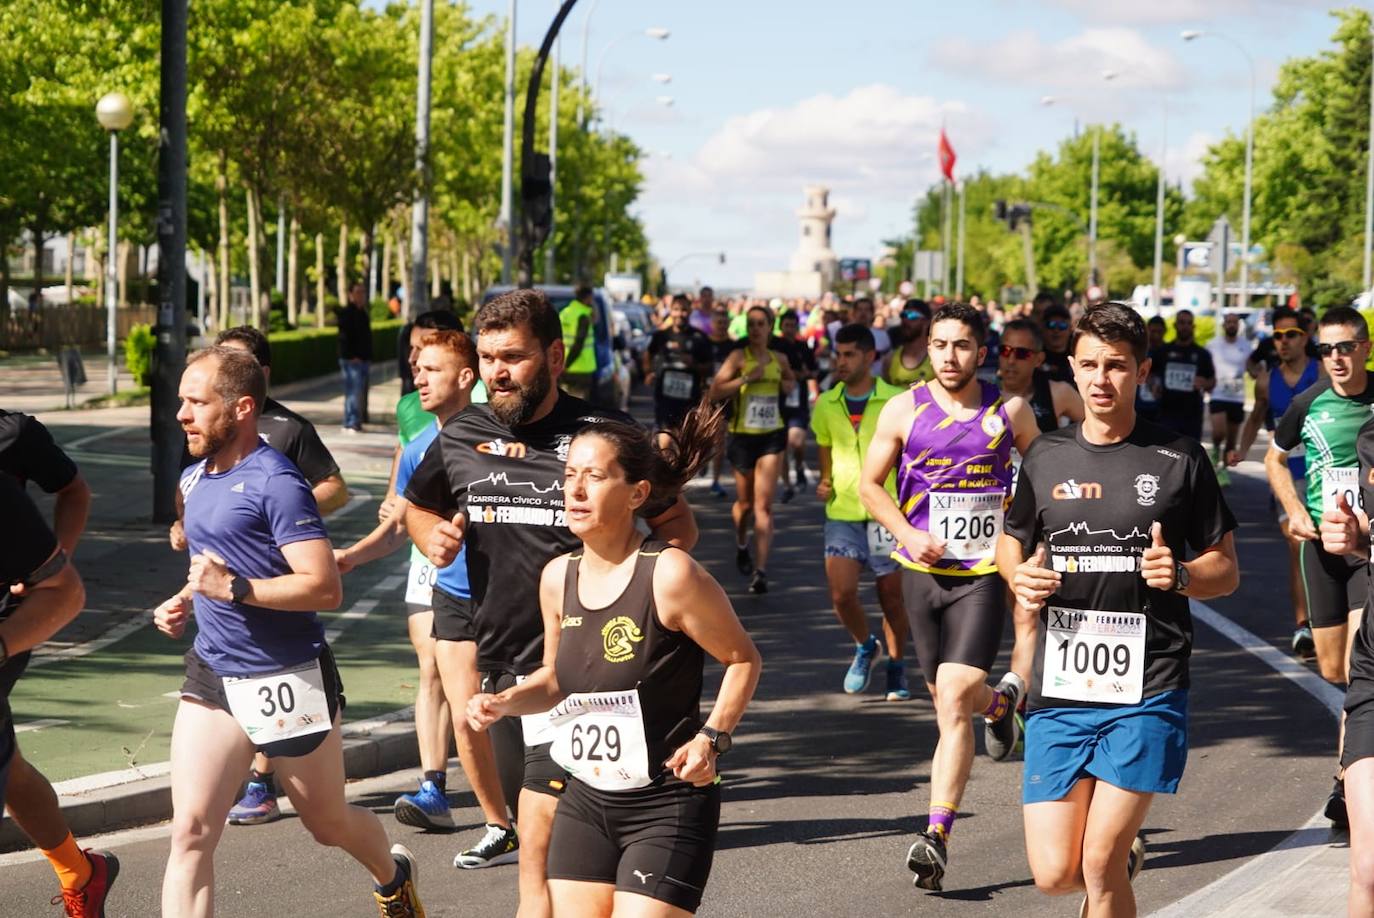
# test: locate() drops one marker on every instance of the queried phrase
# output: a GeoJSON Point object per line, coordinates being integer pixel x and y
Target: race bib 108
{"type": "Point", "coordinates": [1096, 657]}
{"type": "Point", "coordinates": [281, 705]}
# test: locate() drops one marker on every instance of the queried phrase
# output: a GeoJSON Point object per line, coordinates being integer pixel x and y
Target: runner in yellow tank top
{"type": "Point", "coordinates": [755, 378]}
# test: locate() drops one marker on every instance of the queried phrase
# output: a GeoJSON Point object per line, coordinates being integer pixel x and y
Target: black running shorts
{"type": "Point", "coordinates": [520, 767]}
{"type": "Point", "coordinates": [7, 747]}
{"type": "Point", "coordinates": [657, 841]}
{"type": "Point", "coordinates": [453, 619]}
{"type": "Point", "coordinates": [1335, 585]}
{"type": "Point", "coordinates": [745, 450]}
{"type": "Point", "coordinates": [954, 619]}
{"type": "Point", "coordinates": [1359, 734]}
{"type": "Point", "coordinates": [204, 686]}
{"type": "Point", "coordinates": [1234, 411]}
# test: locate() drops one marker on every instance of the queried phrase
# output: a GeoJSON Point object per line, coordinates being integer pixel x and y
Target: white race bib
{"type": "Point", "coordinates": [761, 412]}
{"type": "Point", "coordinates": [420, 583]}
{"type": "Point", "coordinates": [535, 728]}
{"type": "Point", "coordinates": [881, 543]}
{"type": "Point", "coordinates": [1096, 657]}
{"type": "Point", "coordinates": [968, 524]}
{"type": "Point", "coordinates": [599, 739]}
{"type": "Point", "coordinates": [281, 705]}
{"type": "Point", "coordinates": [677, 384]}
{"type": "Point", "coordinates": [1341, 481]}
{"type": "Point", "coordinates": [793, 398]}
{"type": "Point", "coordinates": [1016, 465]}
{"type": "Point", "coordinates": [1230, 390]}
{"type": "Point", "coordinates": [1178, 377]}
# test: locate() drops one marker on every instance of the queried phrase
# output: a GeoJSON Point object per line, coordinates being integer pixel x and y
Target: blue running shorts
{"type": "Point", "coordinates": [1141, 748]}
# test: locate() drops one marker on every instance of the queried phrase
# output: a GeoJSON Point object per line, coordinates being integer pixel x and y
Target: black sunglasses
{"type": "Point", "coordinates": [1057, 325]}
{"type": "Point", "coordinates": [1344, 348]}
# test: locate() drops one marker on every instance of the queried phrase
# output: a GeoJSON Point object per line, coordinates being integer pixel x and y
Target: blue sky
{"type": "Point", "coordinates": [770, 95]}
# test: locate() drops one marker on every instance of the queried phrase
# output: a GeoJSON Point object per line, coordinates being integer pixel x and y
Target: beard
{"type": "Point", "coordinates": [516, 405]}
{"type": "Point", "coordinates": [214, 438]}
{"type": "Point", "coordinates": [964, 380]}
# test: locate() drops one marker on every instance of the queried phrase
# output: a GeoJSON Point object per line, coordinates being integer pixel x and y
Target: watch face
{"type": "Point", "coordinates": [722, 743]}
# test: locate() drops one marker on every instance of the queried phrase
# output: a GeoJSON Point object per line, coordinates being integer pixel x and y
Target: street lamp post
{"type": "Point", "coordinates": [508, 153]}
{"type": "Point", "coordinates": [550, 265]}
{"type": "Point", "coordinates": [115, 113]}
{"type": "Point", "coordinates": [1369, 182]}
{"type": "Point", "coordinates": [1158, 277]}
{"type": "Point", "coordinates": [586, 89]}
{"type": "Point", "coordinates": [417, 301]}
{"type": "Point", "coordinates": [655, 32]}
{"type": "Point", "coordinates": [1192, 35]}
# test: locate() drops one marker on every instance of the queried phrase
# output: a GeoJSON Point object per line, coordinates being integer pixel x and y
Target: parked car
{"type": "Point", "coordinates": [606, 383]}
{"type": "Point", "coordinates": [639, 328]}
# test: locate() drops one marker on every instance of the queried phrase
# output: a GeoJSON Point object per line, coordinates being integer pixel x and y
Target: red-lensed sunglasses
{"type": "Point", "coordinates": [1020, 353]}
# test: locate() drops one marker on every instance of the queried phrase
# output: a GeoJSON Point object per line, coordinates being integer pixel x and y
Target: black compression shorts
{"type": "Point", "coordinates": [452, 617]}
{"type": "Point", "coordinates": [1359, 734]}
{"type": "Point", "coordinates": [954, 619]}
{"type": "Point", "coordinates": [520, 767]}
{"type": "Point", "coordinates": [1334, 585]}
{"type": "Point", "coordinates": [1234, 411]}
{"type": "Point", "coordinates": [657, 841]}
{"type": "Point", "coordinates": [204, 686]}
{"type": "Point", "coordinates": [745, 450]}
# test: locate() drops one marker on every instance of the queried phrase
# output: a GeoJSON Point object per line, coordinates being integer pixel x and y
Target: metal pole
{"type": "Point", "coordinates": [418, 300]}
{"type": "Point", "coordinates": [1158, 279]}
{"type": "Point", "coordinates": [281, 246]}
{"type": "Point", "coordinates": [111, 276]}
{"type": "Point", "coordinates": [508, 153]}
{"type": "Point", "coordinates": [200, 291]}
{"type": "Point", "coordinates": [959, 272]}
{"type": "Point", "coordinates": [586, 35]}
{"type": "Point", "coordinates": [1369, 181]}
{"type": "Point", "coordinates": [549, 262]}
{"type": "Point", "coordinates": [944, 250]}
{"type": "Point", "coordinates": [169, 355]}
{"type": "Point", "coordinates": [1245, 218]}
{"type": "Point", "coordinates": [1092, 214]}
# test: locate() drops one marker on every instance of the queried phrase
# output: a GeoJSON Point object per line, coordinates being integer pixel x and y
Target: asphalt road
{"type": "Point", "coordinates": [823, 790]}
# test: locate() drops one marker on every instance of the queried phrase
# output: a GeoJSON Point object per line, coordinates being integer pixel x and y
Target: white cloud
{"type": "Point", "coordinates": [1075, 64]}
{"type": "Point", "coordinates": [1180, 12]}
{"type": "Point", "coordinates": [1184, 163]}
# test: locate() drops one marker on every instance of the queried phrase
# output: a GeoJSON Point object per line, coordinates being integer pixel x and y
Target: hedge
{"type": "Point", "coordinates": [310, 352]}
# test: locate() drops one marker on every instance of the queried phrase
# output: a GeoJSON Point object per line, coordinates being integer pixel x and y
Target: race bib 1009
{"type": "Point", "coordinates": [1097, 657]}
{"type": "Point", "coordinates": [599, 738]}
{"type": "Point", "coordinates": [281, 705]}
{"type": "Point", "coordinates": [968, 524]}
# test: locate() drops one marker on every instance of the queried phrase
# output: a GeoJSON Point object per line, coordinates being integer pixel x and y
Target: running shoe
{"type": "Point", "coordinates": [499, 846]}
{"type": "Point", "coordinates": [717, 490]}
{"type": "Point", "coordinates": [926, 858]}
{"type": "Point", "coordinates": [861, 669]}
{"type": "Point", "coordinates": [427, 808]}
{"type": "Point", "coordinates": [1303, 645]}
{"type": "Point", "coordinates": [89, 902]}
{"type": "Point", "coordinates": [897, 687]}
{"type": "Point", "coordinates": [404, 902]}
{"type": "Point", "coordinates": [758, 583]}
{"type": "Point", "coordinates": [788, 492]}
{"type": "Point", "coordinates": [1135, 862]}
{"type": "Point", "coordinates": [999, 737]}
{"type": "Point", "coordinates": [257, 806]}
{"type": "Point", "coordinates": [744, 562]}
{"type": "Point", "coordinates": [1335, 805]}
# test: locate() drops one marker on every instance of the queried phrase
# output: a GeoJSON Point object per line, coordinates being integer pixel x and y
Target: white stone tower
{"type": "Point", "coordinates": [813, 250]}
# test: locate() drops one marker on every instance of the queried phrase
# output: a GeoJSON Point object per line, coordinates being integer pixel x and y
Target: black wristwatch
{"type": "Point", "coordinates": [720, 740]}
{"type": "Point", "coordinates": [239, 588]}
{"type": "Point", "coordinates": [1180, 577]}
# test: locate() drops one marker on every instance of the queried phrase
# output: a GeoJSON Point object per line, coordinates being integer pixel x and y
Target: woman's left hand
{"type": "Point", "coordinates": [694, 761]}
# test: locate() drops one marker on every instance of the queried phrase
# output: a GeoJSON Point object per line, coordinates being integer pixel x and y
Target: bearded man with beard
{"type": "Point", "coordinates": [493, 482]}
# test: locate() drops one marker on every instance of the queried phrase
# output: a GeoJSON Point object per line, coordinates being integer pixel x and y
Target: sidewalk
{"type": "Point", "coordinates": [94, 711]}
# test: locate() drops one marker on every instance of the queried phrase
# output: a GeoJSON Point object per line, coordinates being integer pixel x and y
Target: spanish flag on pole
{"type": "Point", "coordinates": [947, 157]}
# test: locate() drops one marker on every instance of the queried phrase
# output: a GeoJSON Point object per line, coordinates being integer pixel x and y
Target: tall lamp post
{"type": "Point", "coordinates": [656, 32]}
{"type": "Point", "coordinates": [115, 113]}
{"type": "Point", "coordinates": [1369, 183]}
{"type": "Point", "coordinates": [1193, 35]}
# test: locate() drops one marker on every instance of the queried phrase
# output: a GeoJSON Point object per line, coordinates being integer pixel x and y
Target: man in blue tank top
{"type": "Point", "coordinates": [1275, 387]}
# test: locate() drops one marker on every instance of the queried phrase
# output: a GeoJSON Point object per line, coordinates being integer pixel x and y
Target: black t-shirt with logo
{"type": "Point", "coordinates": [1176, 365]}
{"type": "Point", "coordinates": [687, 353]}
{"type": "Point", "coordinates": [509, 482]}
{"type": "Point", "coordinates": [26, 543]}
{"type": "Point", "coordinates": [1361, 688]}
{"type": "Point", "coordinates": [1093, 506]}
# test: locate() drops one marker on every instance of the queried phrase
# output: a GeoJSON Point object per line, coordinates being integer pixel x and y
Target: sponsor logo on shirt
{"type": "Point", "coordinates": [511, 515]}
{"type": "Point", "coordinates": [571, 621]}
{"type": "Point", "coordinates": [501, 478]}
{"type": "Point", "coordinates": [238, 488]}
{"type": "Point", "coordinates": [619, 637]}
{"type": "Point", "coordinates": [1095, 551]}
{"type": "Point", "coordinates": [1146, 489]}
{"type": "Point", "coordinates": [561, 449]}
{"type": "Point", "coordinates": [503, 448]}
{"type": "Point", "coordinates": [1073, 490]}
{"type": "Point", "coordinates": [1168, 452]}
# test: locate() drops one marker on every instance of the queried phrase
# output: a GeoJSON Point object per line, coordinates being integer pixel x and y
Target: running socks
{"type": "Point", "coordinates": [941, 820]}
{"type": "Point", "coordinates": [998, 708]}
{"type": "Point", "coordinates": [396, 883]}
{"type": "Point", "coordinates": [268, 780]}
{"type": "Point", "coordinates": [70, 863]}
{"type": "Point", "coordinates": [438, 778]}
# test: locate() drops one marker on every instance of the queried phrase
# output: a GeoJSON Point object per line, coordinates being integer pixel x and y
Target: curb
{"type": "Point", "coordinates": [371, 748]}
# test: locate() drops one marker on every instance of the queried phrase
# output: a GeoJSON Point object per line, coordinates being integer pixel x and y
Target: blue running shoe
{"type": "Point", "coordinates": [427, 808]}
{"type": "Point", "coordinates": [861, 670]}
{"type": "Point", "coordinates": [257, 806]}
{"type": "Point", "coordinates": [897, 687]}
{"type": "Point", "coordinates": [717, 490]}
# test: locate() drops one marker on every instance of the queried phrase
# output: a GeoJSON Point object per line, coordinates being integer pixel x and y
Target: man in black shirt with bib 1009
{"type": "Point", "coordinates": [1109, 508]}
{"type": "Point", "coordinates": [493, 480]}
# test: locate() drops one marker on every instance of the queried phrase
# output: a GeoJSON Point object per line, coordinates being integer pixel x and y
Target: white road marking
{"type": "Point", "coordinates": [30, 726]}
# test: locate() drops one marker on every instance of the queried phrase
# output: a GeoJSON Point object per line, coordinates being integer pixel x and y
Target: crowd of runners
{"type": "Point", "coordinates": [1042, 466]}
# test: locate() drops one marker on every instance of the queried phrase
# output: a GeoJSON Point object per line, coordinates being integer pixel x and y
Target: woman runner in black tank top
{"type": "Point", "coordinates": [627, 627]}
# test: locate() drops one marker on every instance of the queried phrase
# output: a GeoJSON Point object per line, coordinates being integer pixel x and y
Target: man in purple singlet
{"type": "Point", "coordinates": [950, 440]}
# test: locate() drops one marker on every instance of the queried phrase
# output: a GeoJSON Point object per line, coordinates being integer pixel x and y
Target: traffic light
{"type": "Point", "coordinates": [1012, 215]}
{"type": "Point", "coordinates": [536, 199]}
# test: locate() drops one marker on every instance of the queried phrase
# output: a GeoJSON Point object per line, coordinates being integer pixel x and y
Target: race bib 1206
{"type": "Point", "coordinates": [281, 705]}
{"type": "Point", "coordinates": [1094, 656]}
{"type": "Point", "coordinates": [599, 738]}
{"type": "Point", "coordinates": [968, 524]}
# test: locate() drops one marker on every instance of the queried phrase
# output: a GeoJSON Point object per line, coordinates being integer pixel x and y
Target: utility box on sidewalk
{"type": "Point", "coordinates": [73, 372]}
